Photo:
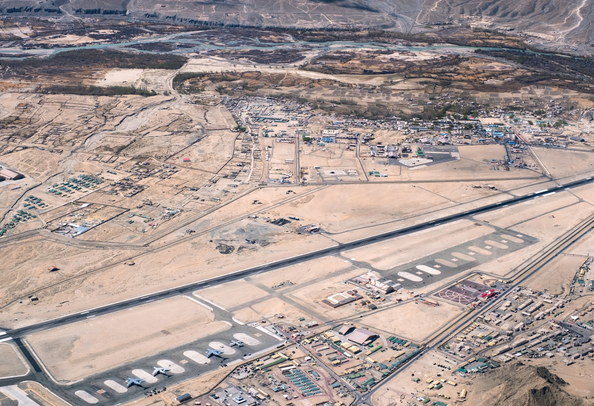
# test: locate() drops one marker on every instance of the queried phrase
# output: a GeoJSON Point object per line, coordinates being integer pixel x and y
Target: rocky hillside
{"type": "Point", "coordinates": [569, 23]}
{"type": "Point", "coordinates": [522, 385]}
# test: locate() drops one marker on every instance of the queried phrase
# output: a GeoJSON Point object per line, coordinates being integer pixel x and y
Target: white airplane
{"type": "Point", "coordinates": [237, 343]}
{"type": "Point", "coordinates": [134, 381]}
{"type": "Point", "coordinates": [158, 370]}
{"type": "Point", "coordinates": [216, 353]}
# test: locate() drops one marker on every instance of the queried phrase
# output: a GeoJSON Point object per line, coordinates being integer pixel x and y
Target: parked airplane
{"type": "Point", "coordinates": [158, 370]}
{"type": "Point", "coordinates": [237, 343]}
{"type": "Point", "coordinates": [216, 353]}
{"type": "Point", "coordinates": [134, 381]}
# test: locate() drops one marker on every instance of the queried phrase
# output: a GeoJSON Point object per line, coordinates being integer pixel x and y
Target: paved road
{"type": "Point", "coordinates": [550, 253]}
{"type": "Point", "coordinates": [282, 263]}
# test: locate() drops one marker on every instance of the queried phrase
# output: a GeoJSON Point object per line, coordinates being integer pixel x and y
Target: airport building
{"type": "Point", "coordinates": [7, 174]}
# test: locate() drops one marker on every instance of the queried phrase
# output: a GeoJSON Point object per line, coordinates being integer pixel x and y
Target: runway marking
{"type": "Point", "coordinates": [91, 316]}
{"type": "Point", "coordinates": [199, 302]}
{"type": "Point", "coordinates": [541, 191]}
{"type": "Point", "coordinates": [6, 339]}
{"type": "Point", "coordinates": [209, 301]}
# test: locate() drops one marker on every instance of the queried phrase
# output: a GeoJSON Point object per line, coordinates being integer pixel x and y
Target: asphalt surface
{"type": "Point", "coordinates": [20, 332]}
{"type": "Point", "coordinates": [37, 374]}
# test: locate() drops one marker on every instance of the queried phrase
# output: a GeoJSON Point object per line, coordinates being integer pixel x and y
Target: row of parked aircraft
{"type": "Point", "coordinates": [161, 370]}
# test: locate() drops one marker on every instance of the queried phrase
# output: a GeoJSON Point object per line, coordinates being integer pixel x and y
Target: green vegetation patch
{"type": "Point", "coordinates": [97, 90]}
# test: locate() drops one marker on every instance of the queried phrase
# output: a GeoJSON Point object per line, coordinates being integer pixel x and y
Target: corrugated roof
{"type": "Point", "coordinates": [360, 336]}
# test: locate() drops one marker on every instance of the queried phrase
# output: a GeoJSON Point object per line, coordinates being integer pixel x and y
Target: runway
{"type": "Point", "coordinates": [20, 332]}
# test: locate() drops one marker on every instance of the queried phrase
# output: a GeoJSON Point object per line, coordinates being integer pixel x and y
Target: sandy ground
{"type": "Point", "coordinates": [388, 254]}
{"type": "Point", "coordinates": [562, 163]}
{"type": "Point", "coordinates": [557, 275]}
{"type": "Point", "coordinates": [341, 208]}
{"type": "Point", "coordinates": [530, 209]}
{"type": "Point", "coordinates": [191, 261]}
{"type": "Point", "coordinates": [413, 321]}
{"type": "Point", "coordinates": [232, 294]}
{"type": "Point", "coordinates": [41, 392]}
{"type": "Point", "coordinates": [546, 228]}
{"type": "Point", "coordinates": [275, 306]}
{"type": "Point", "coordinates": [302, 273]}
{"type": "Point", "coordinates": [28, 261]}
{"type": "Point", "coordinates": [11, 363]}
{"type": "Point", "coordinates": [550, 226]}
{"type": "Point", "coordinates": [363, 232]}
{"type": "Point", "coordinates": [84, 348]}
{"type": "Point", "coordinates": [311, 295]}
{"type": "Point", "coordinates": [400, 389]}
{"type": "Point", "coordinates": [584, 246]}
{"type": "Point", "coordinates": [121, 77]}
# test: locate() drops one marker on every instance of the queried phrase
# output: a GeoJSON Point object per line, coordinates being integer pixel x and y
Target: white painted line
{"type": "Point", "coordinates": [6, 339]}
{"type": "Point", "coordinates": [270, 333]}
{"type": "Point", "coordinates": [209, 301]}
{"type": "Point", "coordinates": [548, 194]}
{"type": "Point", "coordinates": [91, 316]}
{"type": "Point", "coordinates": [3, 333]}
{"type": "Point", "coordinates": [237, 321]}
{"type": "Point", "coordinates": [541, 191]}
{"type": "Point", "coordinates": [199, 302]}
{"type": "Point", "coordinates": [151, 300]}
{"type": "Point", "coordinates": [85, 312]}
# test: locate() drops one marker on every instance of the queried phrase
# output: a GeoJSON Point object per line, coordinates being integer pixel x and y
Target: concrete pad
{"type": "Point", "coordinates": [220, 346]}
{"type": "Point", "coordinates": [464, 257]}
{"type": "Point", "coordinates": [11, 364]}
{"type": "Point", "coordinates": [445, 262]}
{"type": "Point", "coordinates": [86, 396]}
{"type": "Point", "coordinates": [115, 386]}
{"type": "Point", "coordinates": [497, 244]}
{"type": "Point", "coordinates": [173, 367]}
{"type": "Point", "coordinates": [142, 374]}
{"type": "Point", "coordinates": [480, 250]}
{"type": "Point", "coordinates": [197, 357]}
{"type": "Point", "coordinates": [122, 337]}
{"type": "Point", "coordinates": [16, 393]}
{"type": "Point", "coordinates": [512, 238]}
{"type": "Point", "coordinates": [246, 339]}
{"type": "Point", "coordinates": [428, 269]}
{"type": "Point", "coordinates": [410, 276]}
